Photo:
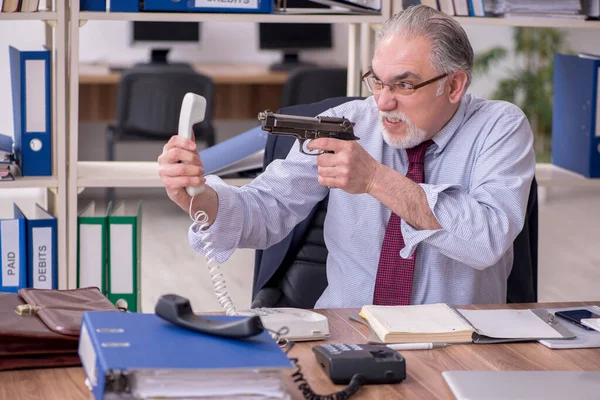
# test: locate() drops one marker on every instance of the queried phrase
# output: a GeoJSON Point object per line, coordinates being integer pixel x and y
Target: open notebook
{"type": "Point", "coordinates": [442, 323]}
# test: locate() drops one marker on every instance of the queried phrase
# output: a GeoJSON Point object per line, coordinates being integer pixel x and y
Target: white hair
{"type": "Point", "coordinates": [451, 50]}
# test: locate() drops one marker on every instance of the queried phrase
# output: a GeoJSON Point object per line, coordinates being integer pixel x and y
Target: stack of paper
{"type": "Point", "coordinates": [249, 384]}
{"type": "Point", "coordinates": [8, 167]}
{"type": "Point", "coordinates": [535, 8]}
{"type": "Point", "coordinates": [433, 323]}
{"type": "Point", "coordinates": [438, 323]}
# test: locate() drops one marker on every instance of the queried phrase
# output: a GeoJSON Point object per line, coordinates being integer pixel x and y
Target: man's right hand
{"type": "Point", "coordinates": [179, 166]}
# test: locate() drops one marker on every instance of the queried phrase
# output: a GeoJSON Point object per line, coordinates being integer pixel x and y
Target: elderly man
{"type": "Point", "coordinates": [423, 208]}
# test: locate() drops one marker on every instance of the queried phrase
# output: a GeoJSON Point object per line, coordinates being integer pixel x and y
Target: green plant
{"type": "Point", "coordinates": [529, 83]}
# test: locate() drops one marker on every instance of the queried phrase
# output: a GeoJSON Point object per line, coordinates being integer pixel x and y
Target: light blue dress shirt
{"type": "Point", "coordinates": [478, 174]}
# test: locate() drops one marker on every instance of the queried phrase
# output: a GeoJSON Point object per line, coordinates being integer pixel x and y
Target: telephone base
{"type": "Point", "coordinates": [303, 325]}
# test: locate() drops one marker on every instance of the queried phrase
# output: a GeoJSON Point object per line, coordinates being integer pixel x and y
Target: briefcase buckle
{"type": "Point", "coordinates": [27, 309]}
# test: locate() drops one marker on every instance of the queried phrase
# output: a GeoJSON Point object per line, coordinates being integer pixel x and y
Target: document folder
{"type": "Point", "coordinates": [92, 239]}
{"type": "Point", "coordinates": [42, 259]}
{"type": "Point", "coordinates": [13, 260]}
{"type": "Point", "coordinates": [143, 356]}
{"type": "Point", "coordinates": [241, 153]}
{"type": "Point", "coordinates": [124, 255]}
{"type": "Point", "coordinates": [31, 83]}
{"type": "Point", "coordinates": [576, 115]}
{"type": "Point", "coordinates": [220, 6]}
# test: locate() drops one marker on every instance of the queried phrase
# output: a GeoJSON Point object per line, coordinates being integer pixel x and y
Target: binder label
{"type": "Point", "coordinates": [251, 4]}
{"type": "Point", "coordinates": [42, 258]}
{"type": "Point", "coordinates": [35, 96]}
{"type": "Point", "coordinates": [9, 244]}
{"type": "Point", "coordinates": [91, 257]}
{"type": "Point", "coordinates": [121, 259]}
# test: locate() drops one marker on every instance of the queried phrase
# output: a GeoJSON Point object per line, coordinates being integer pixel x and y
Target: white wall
{"type": "Point", "coordinates": [24, 35]}
{"type": "Point", "coordinates": [221, 42]}
{"type": "Point", "coordinates": [109, 41]}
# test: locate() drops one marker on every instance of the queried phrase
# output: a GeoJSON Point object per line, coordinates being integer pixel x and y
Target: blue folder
{"type": "Point", "coordinates": [42, 258]}
{"type": "Point", "coordinates": [221, 6]}
{"type": "Point", "coordinates": [115, 5]}
{"type": "Point", "coordinates": [13, 259]}
{"type": "Point", "coordinates": [115, 345]}
{"type": "Point", "coordinates": [31, 83]}
{"type": "Point", "coordinates": [243, 152]}
{"type": "Point", "coordinates": [575, 115]}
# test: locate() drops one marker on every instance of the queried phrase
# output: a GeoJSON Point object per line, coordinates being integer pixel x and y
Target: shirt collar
{"type": "Point", "coordinates": [444, 135]}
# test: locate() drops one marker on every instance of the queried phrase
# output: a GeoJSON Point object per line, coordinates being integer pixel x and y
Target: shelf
{"type": "Point", "coordinates": [125, 174]}
{"type": "Point", "coordinates": [24, 16]}
{"type": "Point", "coordinates": [549, 175]}
{"type": "Point", "coordinates": [30, 182]}
{"type": "Point", "coordinates": [145, 174]}
{"type": "Point", "coordinates": [525, 22]}
{"type": "Point", "coordinates": [225, 17]}
{"type": "Point", "coordinates": [530, 22]}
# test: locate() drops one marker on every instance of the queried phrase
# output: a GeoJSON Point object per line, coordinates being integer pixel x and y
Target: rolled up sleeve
{"type": "Point", "coordinates": [264, 211]}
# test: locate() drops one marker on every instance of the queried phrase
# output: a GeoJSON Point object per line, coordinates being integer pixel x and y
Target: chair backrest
{"type": "Point", "coordinates": [149, 99]}
{"type": "Point", "coordinates": [307, 85]}
{"type": "Point", "coordinates": [292, 272]}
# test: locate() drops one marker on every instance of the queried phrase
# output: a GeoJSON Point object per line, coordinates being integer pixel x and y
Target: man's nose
{"type": "Point", "coordinates": [386, 100]}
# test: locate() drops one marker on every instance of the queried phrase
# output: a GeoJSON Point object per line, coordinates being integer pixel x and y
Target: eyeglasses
{"type": "Point", "coordinates": [375, 86]}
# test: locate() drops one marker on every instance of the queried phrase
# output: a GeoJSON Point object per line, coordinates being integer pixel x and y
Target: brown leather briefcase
{"type": "Point", "coordinates": [40, 328]}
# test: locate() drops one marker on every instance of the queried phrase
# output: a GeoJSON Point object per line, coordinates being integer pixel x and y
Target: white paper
{"type": "Point", "coordinates": [422, 318]}
{"type": "Point", "coordinates": [35, 96]}
{"type": "Point", "coordinates": [87, 355]}
{"type": "Point", "coordinates": [121, 258]}
{"type": "Point", "coordinates": [510, 324]}
{"type": "Point", "coordinates": [90, 256]}
{"type": "Point", "coordinates": [251, 4]}
{"type": "Point", "coordinates": [42, 258]}
{"type": "Point", "coordinates": [11, 257]}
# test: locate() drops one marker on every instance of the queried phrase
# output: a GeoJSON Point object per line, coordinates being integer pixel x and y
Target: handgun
{"type": "Point", "coordinates": [307, 128]}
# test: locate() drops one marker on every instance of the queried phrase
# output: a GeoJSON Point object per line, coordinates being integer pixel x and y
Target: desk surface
{"type": "Point", "coordinates": [424, 368]}
{"type": "Point", "coordinates": [231, 74]}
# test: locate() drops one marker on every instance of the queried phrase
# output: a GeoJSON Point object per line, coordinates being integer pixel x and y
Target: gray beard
{"type": "Point", "coordinates": [414, 136]}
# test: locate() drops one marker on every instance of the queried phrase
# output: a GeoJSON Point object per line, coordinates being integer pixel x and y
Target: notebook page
{"type": "Point", "coordinates": [424, 318]}
{"type": "Point", "coordinates": [510, 324]}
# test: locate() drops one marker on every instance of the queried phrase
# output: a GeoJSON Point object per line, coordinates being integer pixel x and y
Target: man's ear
{"type": "Point", "coordinates": [458, 85]}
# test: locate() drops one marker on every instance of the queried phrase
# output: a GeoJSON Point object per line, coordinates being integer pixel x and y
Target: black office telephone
{"type": "Point", "coordinates": [374, 362]}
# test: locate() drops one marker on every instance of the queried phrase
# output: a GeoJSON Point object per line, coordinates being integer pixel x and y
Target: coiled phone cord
{"type": "Point", "coordinates": [200, 219]}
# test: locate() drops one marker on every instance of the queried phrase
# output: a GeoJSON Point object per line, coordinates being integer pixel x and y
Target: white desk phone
{"type": "Point", "coordinates": [302, 325]}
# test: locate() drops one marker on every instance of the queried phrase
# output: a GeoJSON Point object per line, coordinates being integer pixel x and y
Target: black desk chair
{"type": "Point", "coordinates": [149, 101]}
{"type": "Point", "coordinates": [291, 273]}
{"type": "Point", "coordinates": [307, 85]}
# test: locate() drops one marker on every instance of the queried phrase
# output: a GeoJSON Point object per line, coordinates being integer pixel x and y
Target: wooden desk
{"type": "Point", "coordinates": [242, 90]}
{"type": "Point", "coordinates": [424, 379]}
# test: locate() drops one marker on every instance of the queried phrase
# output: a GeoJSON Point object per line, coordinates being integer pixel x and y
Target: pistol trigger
{"type": "Point", "coordinates": [301, 143]}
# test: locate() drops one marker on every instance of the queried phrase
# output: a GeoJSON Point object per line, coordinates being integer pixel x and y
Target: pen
{"type": "Point", "coordinates": [417, 346]}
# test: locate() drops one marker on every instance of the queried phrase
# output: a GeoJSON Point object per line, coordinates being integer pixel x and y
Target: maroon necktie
{"type": "Point", "coordinates": [393, 284]}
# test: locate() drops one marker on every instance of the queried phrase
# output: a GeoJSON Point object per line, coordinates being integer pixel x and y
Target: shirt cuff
{"type": "Point", "coordinates": [227, 225]}
{"type": "Point", "coordinates": [412, 237]}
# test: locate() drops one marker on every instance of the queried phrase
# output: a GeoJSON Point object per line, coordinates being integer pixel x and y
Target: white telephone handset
{"type": "Point", "coordinates": [301, 324]}
{"type": "Point", "coordinates": [193, 109]}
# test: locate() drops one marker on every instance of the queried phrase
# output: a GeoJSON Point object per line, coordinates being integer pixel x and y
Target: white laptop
{"type": "Point", "coordinates": [521, 385]}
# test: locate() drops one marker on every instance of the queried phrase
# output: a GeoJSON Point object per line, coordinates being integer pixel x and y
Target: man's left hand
{"type": "Point", "coordinates": [349, 167]}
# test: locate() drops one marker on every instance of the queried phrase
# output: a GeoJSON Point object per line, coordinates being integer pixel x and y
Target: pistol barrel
{"type": "Point", "coordinates": [307, 127]}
